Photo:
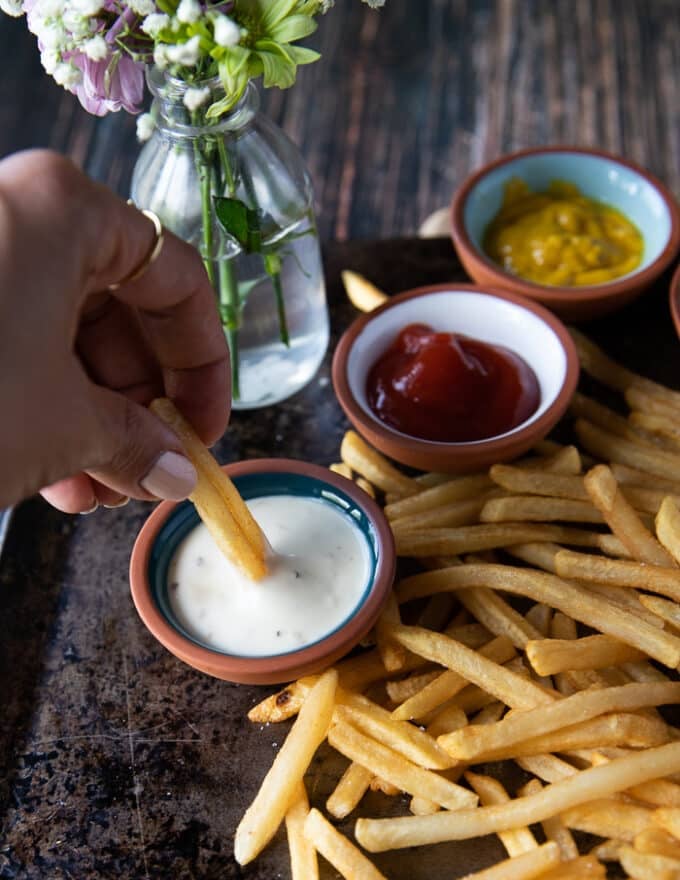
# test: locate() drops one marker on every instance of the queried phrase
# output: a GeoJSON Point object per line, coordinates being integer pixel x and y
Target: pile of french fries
{"type": "Point", "coordinates": [543, 630]}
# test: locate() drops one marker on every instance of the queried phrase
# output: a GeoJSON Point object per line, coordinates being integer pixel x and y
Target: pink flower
{"type": "Point", "coordinates": [115, 83]}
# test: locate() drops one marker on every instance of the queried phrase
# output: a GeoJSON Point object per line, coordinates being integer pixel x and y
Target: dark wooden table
{"type": "Point", "coordinates": [407, 101]}
{"type": "Point", "coordinates": [115, 759]}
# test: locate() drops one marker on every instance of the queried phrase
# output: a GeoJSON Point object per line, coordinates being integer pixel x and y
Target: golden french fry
{"type": "Point", "coordinates": [363, 459]}
{"type": "Point", "coordinates": [282, 705]}
{"type": "Point", "coordinates": [303, 861]}
{"type": "Point", "coordinates": [554, 827]}
{"type": "Point", "coordinates": [608, 850]}
{"type": "Point", "coordinates": [455, 513]}
{"type": "Point", "coordinates": [583, 868]}
{"type": "Point", "coordinates": [539, 508]}
{"type": "Point", "coordinates": [264, 815]}
{"type": "Point", "coordinates": [548, 656]}
{"type": "Point", "coordinates": [454, 489]}
{"type": "Point", "coordinates": [526, 866]}
{"type": "Point", "coordinates": [338, 850]}
{"type": "Point", "coordinates": [644, 866]}
{"type": "Point", "coordinates": [526, 482]}
{"type": "Point", "coordinates": [341, 468]}
{"type": "Point", "coordinates": [511, 688]}
{"type": "Point", "coordinates": [486, 536]}
{"type": "Point", "coordinates": [622, 519]}
{"type": "Point", "coordinates": [618, 572]}
{"type": "Point", "coordinates": [396, 769]}
{"type": "Point", "coordinates": [604, 417]}
{"type": "Point", "coordinates": [658, 842]}
{"type": "Point", "coordinates": [668, 527]}
{"type": "Point", "coordinates": [361, 293]}
{"type": "Point", "coordinates": [608, 817]}
{"type": "Point", "coordinates": [664, 608]}
{"type": "Point", "coordinates": [377, 835]}
{"type": "Point", "coordinates": [664, 426]}
{"type": "Point", "coordinates": [630, 476]}
{"type": "Point", "coordinates": [448, 684]}
{"type": "Point", "coordinates": [217, 500]}
{"type": "Point", "coordinates": [668, 818]}
{"type": "Point", "coordinates": [493, 612]}
{"type": "Point", "coordinates": [549, 768]}
{"type": "Point", "coordinates": [472, 741]}
{"type": "Point", "coordinates": [564, 595]}
{"type": "Point", "coordinates": [393, 655]}
{"type": "Point", "coordinates": [368, 487]}
{"type": "Point", "coordinates": [402, 690]}
{"type": "Point", "coordinates": [351, 787]}
{"type": "Point", "coordinates": [651, 403]}
{"type": "Point", "coordinates": [540, 617]}
{"type": "Point", "coordinates": [609, 447]}
{"type": "Point", "coordinates": [490, 791]}
{"type": "Point", "coordinates": [422, 807]}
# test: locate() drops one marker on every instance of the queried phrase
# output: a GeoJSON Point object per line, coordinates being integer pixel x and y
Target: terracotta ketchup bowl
{"type": "Point", "coordinates": [495, 317]}
{"type": "Point", "coordinates": [600, 176]}
{"type": "Point", "coordinates": [171, 522]}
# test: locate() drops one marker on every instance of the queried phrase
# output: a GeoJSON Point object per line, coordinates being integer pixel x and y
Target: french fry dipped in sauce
{"type": "Point", "coordinates": [219, 505]}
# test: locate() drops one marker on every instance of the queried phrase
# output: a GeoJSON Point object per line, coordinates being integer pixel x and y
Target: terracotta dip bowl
{"type": "Point", "coordinates": [171, 522]}
{"type": "Point", "coordinates": [600, 176]}
{"type": "Point", "coordinates": [492, 316]}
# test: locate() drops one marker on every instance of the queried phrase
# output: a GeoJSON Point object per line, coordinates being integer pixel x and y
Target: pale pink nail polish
{"type": "Point", "coordinates": [172, 477]}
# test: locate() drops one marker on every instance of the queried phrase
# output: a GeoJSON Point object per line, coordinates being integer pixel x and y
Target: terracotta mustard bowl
{"type": "Point", "coordinates": [493, 316]}
{"type": "Point", "coordinates": [171, 522]}
{"type": "Point", "coordinates": [600, 176]}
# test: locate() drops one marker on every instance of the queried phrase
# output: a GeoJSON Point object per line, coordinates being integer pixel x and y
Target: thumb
{"type": "Point", "coordinates": [135, 453]}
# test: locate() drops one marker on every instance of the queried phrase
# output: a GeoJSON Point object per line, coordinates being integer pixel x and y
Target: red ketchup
{"type": "Point", "coordinates": [445, 387]}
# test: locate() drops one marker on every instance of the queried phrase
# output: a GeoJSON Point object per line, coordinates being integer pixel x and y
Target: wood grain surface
{"type": "Point", "coordinates": [405, 102]}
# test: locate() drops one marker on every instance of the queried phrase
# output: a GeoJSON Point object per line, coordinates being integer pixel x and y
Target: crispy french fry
{"type": "Point", "coordinates": [454, 489]}
{"type": "Point", "coordinates": [608, 850]}
{"type": "Point", "coordinates": [303, 862]}
{"type": "Point", "coordinates": [554, 827]}
{"type": "Point", "coordinates": [548, 656]}
{"type": "Point", "coordinates": [622, 519]}
{"type": "Point", "coordinates": [422, 807]}
{"type": "Point", "coordinates": [619, 572]}
{"type": "Point", "coordinates": [668, 818]}
{"type": "Point", "coordinates": [361, 293]}
{"type": "Point", "coordinates": [595, 412]}
{"type": "Point", "coordinates": [402, 690]}
{"type": "Point", "coordinates": [511, 688]}
{"type": "Point", "coordinates": [377, 835]}
{"type": "Point", "coordinates": [669, 611]}
{"type": "Point", "coordinates": [539, 508]}
{"type": "Point", "coordinates": [549, 768]}
{"type": "Point", "coordinates": [470, 742]}
{"type": "Point", "coordinates": [217, 500]}
{"type": "Point", "coordinates": [652, 403]}
{"type": "Point", "coordinates": [264, 815]}
{"type": "Point", "coordinates": [658, 842]}
{"type": "Point", "coordinates": [644, 866]}
{"type": "Point", "coordinates": [363, 459]}
{"type": "Point", "coordinates": [498, 617]}
{"type": "Point", "coordinates": [456, 513]}
{"type": "Point", "coordinates": [526, 482]}
{"type": "Point", "coordinates": [448, 684]}
{"type": "Point", "coordinates": [282, 705]}
{"type": "Point", "coordinates": [668, 527]}
{"type": "Point", "coordinates": [582, 868]}
{"type": "Point", "coordinates": [630, 476]}
{"type": "Point", "coordinates": [341, 468]}
{"type": "Point", "coordinates": [540, 617]}
{"type": "Point", "coordinates": [609, 447]}
{"type": "Point", "coordinates": [338, 850]}
{"type": "Point", "coordinates": [490, 791]}
{"type": "Point", "coordinates": [664, 426]}
{"type": "Point", "coordinates": [396, 769]}
{"type": "Point", "coordinates": [393, 655]}
{"type": "Point", "coordinates": [608, 817]}
{"type": "Point", "coordinates": [564, 595]}
{"type": "Point", "coordinates": [368, 487]}
{"type": "Point", "coordinates": [351, 787]}
{"type": "Point", "coordinates": [534, 863]}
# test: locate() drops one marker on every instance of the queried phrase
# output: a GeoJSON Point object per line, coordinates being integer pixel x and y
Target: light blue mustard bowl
{"type": "Point", "coordinates": [638, 195]}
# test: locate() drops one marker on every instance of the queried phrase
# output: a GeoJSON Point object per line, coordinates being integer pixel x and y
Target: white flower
{"type": "Point", "coordinates": [96, 49]}
{"type": "Point", "coordinates": [195, 98]}
{"type": "Point", "coordinates": [326, 5]}
{"type": "Point", "coordinates": [48, 9]}
{"type": "Point", "coordinates": [67, 75]}
{"type": "Point", "coordinates": [53, 36]}
{"type": "Point", "coordinates": [185, 54]}
{"type": "Point", "coordinates": [79, 26]}
{"type": "Point", "coordinates": [227, 32]}
{"type": "Point", "coordinates": [87, 8]}
{"type": "Point", "coordinates": [188, 11]}
{"type": "Point", "coordinates": [145, 127]}
{"type": "Point", "coordinates": [12, 7]}
{"type": "Point", "coordinates": [375, 4]}
{"type": "Point", "coordinates": [154, 24]}
{"type": "Point", "coordinates": [50, 59]}
{"type": "Point", "coordinates": [142, 7]}
{"type": "Point", "coordinates": [160, 56]}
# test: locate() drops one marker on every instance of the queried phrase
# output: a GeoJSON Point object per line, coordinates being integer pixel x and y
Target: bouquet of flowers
{"type": "Point", "coordinates": [101, 49]}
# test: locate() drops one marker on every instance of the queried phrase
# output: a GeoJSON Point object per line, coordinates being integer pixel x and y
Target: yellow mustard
{"type": "Point", "coordinates": [560, 237]}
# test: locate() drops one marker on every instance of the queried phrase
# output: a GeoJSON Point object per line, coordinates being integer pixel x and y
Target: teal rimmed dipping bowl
{"type": "Point", "coordinates": [169, 524]}
{"type": "Point", "coordinates": [601, 176]}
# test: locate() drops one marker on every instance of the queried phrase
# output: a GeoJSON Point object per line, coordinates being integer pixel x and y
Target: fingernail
{"type": "Point", "coordinates": [91, 509]}
{"type": "Point", "coordinates": [173, 477]}
{"type": "Point", "coordinates": [123, 501]}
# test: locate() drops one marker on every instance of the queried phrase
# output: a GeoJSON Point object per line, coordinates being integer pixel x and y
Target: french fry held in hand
{"type": "Point", "coordinates": [219, 505]}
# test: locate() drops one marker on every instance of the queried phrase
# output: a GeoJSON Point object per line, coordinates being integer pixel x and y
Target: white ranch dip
{"type": "Point", "coordinates": [316, 578]}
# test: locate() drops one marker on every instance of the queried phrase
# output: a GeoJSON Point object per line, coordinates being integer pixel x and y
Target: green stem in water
{"type": "Point", "coordinates": [280, 304]}
{"type": "Point", "coordinates": [205, 178]}
{"type": "Point", "coordinates": [230, 301]}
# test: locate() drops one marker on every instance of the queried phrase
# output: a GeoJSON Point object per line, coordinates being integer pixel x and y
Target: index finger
{"type": "Point", "coordinates": [177, 308]}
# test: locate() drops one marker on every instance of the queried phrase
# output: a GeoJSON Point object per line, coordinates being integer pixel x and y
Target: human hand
{"type": "Point", "coordinates": [78, 364]}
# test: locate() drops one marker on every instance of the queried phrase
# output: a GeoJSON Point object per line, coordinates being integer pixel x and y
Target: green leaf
{"type": "Point", "coordinates": [295, 27]}
{"type": "Point", "coordinates": [274, 11]}
{"type": "Point", "coordinates": [301, 55]}
{"type": "Point", "coordinates": [241, 222]}
{"type": "Point", "coordinates": [277, 67]}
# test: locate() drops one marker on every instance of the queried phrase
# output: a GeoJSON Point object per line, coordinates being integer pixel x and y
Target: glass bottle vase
{"type": "Point", "coordinates": [238, 190]}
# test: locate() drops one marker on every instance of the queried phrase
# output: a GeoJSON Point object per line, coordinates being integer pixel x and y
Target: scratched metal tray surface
{"type": "Point", "coordinates": [116, 760]}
